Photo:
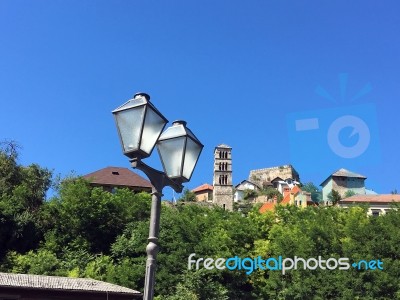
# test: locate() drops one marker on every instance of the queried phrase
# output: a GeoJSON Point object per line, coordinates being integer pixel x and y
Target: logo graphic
{"type": "Point", "coordinates": [249, 265]}
{"type": "Point", "coordinates": [346, 134]}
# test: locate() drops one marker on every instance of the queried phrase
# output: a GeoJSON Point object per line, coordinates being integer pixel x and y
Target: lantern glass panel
{"type": "Point", "coordinates": [171, 153]}
{"type": "Point", "coordinates": [129, 123]}
{"type": "Point", "coordinates": [192, 154]}
{"type": "Point", "coordinates": [153, 125]}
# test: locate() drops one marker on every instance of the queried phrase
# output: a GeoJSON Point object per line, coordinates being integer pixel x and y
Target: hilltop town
{"type": "Point", "coordinates": [281, 185]}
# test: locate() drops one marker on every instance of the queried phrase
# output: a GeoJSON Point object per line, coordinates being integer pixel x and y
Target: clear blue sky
{"type": "Point", "coordinates": [239, 72]}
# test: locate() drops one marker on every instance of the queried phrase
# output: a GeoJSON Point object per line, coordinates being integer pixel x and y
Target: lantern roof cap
{"type": "Point", "coordinates": [130, 104]}
{"type": "Point", "coordinates": [137, 100]}
{"type": "Point", "coordinates": [177, 129]}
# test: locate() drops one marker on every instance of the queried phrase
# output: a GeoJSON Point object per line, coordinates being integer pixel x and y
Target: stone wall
{"type": "Point", "coordinates": [344, 184]}
{"type": "Point", "coordinates": [223, 196]}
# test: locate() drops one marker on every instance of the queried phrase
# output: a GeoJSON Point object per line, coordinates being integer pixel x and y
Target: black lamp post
{"type": "Point", "coordinates": [140, 127]}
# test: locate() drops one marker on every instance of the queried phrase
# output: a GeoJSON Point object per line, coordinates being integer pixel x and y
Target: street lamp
{"type": "Point", "coordinates": [140, 127]}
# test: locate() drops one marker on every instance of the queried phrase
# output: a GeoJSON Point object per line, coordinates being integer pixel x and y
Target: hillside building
{"type": "Point", "coordinates": [342, 181]}
{"type": "Point", "coordinates": [222, 179]}
{"type": "Point", "coordinates": [377, 204]}
{"type": "Point", "coordinates": [110, 178]}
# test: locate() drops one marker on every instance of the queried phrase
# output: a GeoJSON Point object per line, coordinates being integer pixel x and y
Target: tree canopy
{"type": "Point", "coordinates": [87, 232]}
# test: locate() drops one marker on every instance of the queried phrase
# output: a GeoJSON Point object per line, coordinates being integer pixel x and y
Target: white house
{"type": "Point", "coordinates": [284, 185]}
{"type": "Point", "coordinates": [241, 187]}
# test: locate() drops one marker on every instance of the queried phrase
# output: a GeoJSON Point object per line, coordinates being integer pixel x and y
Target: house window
{"type": "Point", "coordinates": [375, 213]}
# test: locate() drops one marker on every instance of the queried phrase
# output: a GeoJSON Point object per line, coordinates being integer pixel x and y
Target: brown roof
{"type": "Point", "coordinates": [384, 198]}
{"type": "Point", "coordinates": [204, 187]}
{"type": "Point", "coordinates": [61, 283]}
{"type": "Point", "coordinates": [116, 176]}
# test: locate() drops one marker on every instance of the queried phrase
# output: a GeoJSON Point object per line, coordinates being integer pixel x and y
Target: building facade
{"type": "Point", "coordinates": [204, 193]}
{"type": "Point", "coordinates": [110, 178]}
{"type": "Point", "coordinates": [241, 188]}
{"type": "Point", "coordinates": [377, 204]}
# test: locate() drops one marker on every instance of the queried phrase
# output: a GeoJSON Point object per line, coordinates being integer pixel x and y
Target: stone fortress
{"type": "Point", "coordinates": [263, 177]}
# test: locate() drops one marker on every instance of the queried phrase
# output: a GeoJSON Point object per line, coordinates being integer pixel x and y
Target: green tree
{"type": "Point", "coordinates": [316, 194]}
{"type": "Point", "coordinates": [94, 215]}
{"type": "Point", "coordinates": [250, 194]}
{"type": "Point", "coordinates": [42, 262]}
{"type": "Point", "coordinates": [349, 193]}
{"type": "Point", "coordinates": [187, 196]}
{"type": "Point", "coordinates": [334, 197]}
{"type": "Point", "coordinates": [22, 195]}
{"type": "Point", "coordinates": [270, 192]}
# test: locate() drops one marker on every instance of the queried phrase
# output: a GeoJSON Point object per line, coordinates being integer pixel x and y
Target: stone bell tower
{"type": "Point", "coordinates": [223, 189]}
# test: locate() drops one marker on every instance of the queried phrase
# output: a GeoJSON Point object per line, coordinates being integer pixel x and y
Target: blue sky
{"type": "Point", "coordinates": [238, 72]}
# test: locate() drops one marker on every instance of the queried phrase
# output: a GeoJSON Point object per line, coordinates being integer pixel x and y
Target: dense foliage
{"type": "Point", "coordinates": [87, 232]}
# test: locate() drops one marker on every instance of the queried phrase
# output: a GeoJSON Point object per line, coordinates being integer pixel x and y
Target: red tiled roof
{"type": "Point", "coordinates": [267, 206]}
{"type": "Point", "coordinates": [296, 189]}
{"type": "Point", "coordinates": [203, 187]}
{"type": "Point", "coordinates": [286, 199]}
{"type": "Point", "coordinates": [116, 176]}
{"type": "Point", "coordinates": [384, 198]}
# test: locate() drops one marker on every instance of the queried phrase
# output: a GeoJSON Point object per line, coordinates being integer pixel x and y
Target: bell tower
{"type": "Point", "coordinates": [222, 181]}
